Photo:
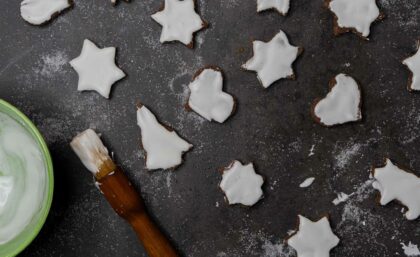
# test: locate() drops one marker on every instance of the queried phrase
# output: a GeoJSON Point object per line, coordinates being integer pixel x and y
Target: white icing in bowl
{"type": "Point", "coordinates": [22, 178]}
{"type": "Point", "coordinates": [28, 189]}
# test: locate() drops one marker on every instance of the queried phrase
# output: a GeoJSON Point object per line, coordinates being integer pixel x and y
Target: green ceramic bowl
{"type": "Point", "coordinates": [19, 243]}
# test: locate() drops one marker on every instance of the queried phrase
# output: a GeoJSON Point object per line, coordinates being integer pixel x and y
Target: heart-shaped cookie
{"type": "Point", "coordinates": [341, 105]}
{"type": "Point", "coordinates": [207, 97]}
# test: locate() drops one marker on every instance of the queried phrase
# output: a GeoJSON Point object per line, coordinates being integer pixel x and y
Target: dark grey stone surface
{"type": "Point", "coordinates": [271, 128]}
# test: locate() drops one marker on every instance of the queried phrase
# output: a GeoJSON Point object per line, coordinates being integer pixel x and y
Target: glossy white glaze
{"type": "Point", "coordinates": [96, 68]}
{"type": "Point", "coordinates": [272, 60]}
{"type": "Point", "coordinates": [207, 97]}
{"type": "Point", "coordinates": [163, 148]}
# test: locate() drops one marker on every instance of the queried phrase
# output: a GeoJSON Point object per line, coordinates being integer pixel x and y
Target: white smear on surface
{"type": "Point", "coordinates": [311, 151]}
{"type": "Point", "coordinates": [410, 249]}
{"type": "Point", "coordinates": [307, 182]}
{"type": "Point", "coordinates": [361, 193]}
{"type": "Point", "coordinates": [341, 197]}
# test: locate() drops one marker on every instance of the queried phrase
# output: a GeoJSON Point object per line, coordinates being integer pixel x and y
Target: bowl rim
{"type": "Point", "coordinates": [50, 174]}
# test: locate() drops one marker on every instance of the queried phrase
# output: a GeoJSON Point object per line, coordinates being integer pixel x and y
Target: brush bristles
{"type": "Point", "coordinates": [93, 154]}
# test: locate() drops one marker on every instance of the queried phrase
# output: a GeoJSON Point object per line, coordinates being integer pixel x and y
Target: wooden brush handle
{"type": "Point", "coordinates": [127, 203]}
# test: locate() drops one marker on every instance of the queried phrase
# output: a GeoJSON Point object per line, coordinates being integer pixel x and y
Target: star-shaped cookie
{"type": "Point", "coordinates": [179, 21]}
{"type": "Point", "coordinates": [413, 63]}
{"type": "Point", "coordinates": [273, 60]}
{"type": "Point", "coordinates": [313, 239]}
{"type": "Point", "coordinates": [282, 6]}
{"type": "Point", "coordinates": [395, 183]}
{"type": "Point", "coordinates": [241, 184]}
{"type": "Point", "coordinates": [354, 15]}
{"type": "Point", "coordinates": [96, 68]}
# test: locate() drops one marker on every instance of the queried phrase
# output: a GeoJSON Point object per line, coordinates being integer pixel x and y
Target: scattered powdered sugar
{"type": "Point", "coordinates": [275, 250]}
{"type": "Point", "coordinates": [362, 225]}
{"type": "Point", "coordinates": [50, 64]}
{"type": "Point", "coordinates": [307, 182]}
{"type": "Point", "coordinates": [351, 212]}
{"type": "Point", "coordinates": [54, 129]}
{"type": "Point", "coordinates": [341, 197]}
{"type": "Point", "coordinates": [231, 3]}
{"type": "Point", "coordinates": [295, 146]}
{"type": "Point", "coordinates": [346, 155]}
{"type": "Point", "coordinates": [411, 126]}
{"type": "Point", "coordinates": [258, 244]}
{"type": "Point", "coordinates": [361, 193]}
{"type": "Point", "coordinates": [405, 16]}
{"type": "Point", "coordinates": [199, 39]}
{"type": "Point", "coordinates": [410, 249]}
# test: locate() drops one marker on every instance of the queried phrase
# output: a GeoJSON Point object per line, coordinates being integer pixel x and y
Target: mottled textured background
{"type": "Point", "coordinates": [271, 128]}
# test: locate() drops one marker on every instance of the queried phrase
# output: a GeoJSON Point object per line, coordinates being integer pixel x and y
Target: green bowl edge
{"type": "Point", "coordinates": [48, 160]}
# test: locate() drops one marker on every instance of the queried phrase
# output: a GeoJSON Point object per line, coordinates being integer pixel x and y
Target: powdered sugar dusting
{"type": "Point", "coordinates": [406, 18]}
{"type": "Point", "coordinates": [51, 64]}
{"type": "Point", "coordinates": [341, 197]}
{"type": "Point", "coordinates": [275, 250]}
{"type": "Point", "coordinates": [346, 155]}
{"type": "Point", "coordinates": [259, 244]}
{"type": "Point", "coordinates": [364, 226]}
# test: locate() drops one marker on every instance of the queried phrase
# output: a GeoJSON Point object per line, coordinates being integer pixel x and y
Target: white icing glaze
{"type": "Point", "coordinates": [23, 180]}
{"type": "Point", "coordinates": [96, 68]}
{"type": "Point", "coordinates": [307, 182]}
{"type": "Point", "coordinates": [413, 63]}
{"type": "Point", "coordinates": [38, 12]}
{"type": "Point", "coordinates": [342, 103]}
{"type": "Point", "coordinates": [207, 97]}
{"type": "Point", "coordinates": [164, 148]}
{"type": "Point", "coordinates": [272, 60]}
{"type": "Point", "coordinates": [241, 184]}
{"type": "Point", "coordinates": [313, 239]}
{"type": "Point", "coordinates": [396, 184]}
{"type": "Point", "coordinates": [179, 21]}
{"type": "Point", "coordinates": [282, 6]}
{"type": "Point", "coordinates": [357, 14]}
{"type": "Point", "coordinates": [90, 149]}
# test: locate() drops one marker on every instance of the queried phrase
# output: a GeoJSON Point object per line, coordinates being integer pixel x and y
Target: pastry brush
{"type": "Point", "coordinates": [120, 193]}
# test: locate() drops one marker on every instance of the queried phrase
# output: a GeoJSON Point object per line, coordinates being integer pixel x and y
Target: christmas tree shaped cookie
{"type": "Point", "coordinates": [164, 148]}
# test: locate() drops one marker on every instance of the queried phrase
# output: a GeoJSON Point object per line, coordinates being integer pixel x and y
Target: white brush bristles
{"type": "Point", "coordinates": [90, 149]}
